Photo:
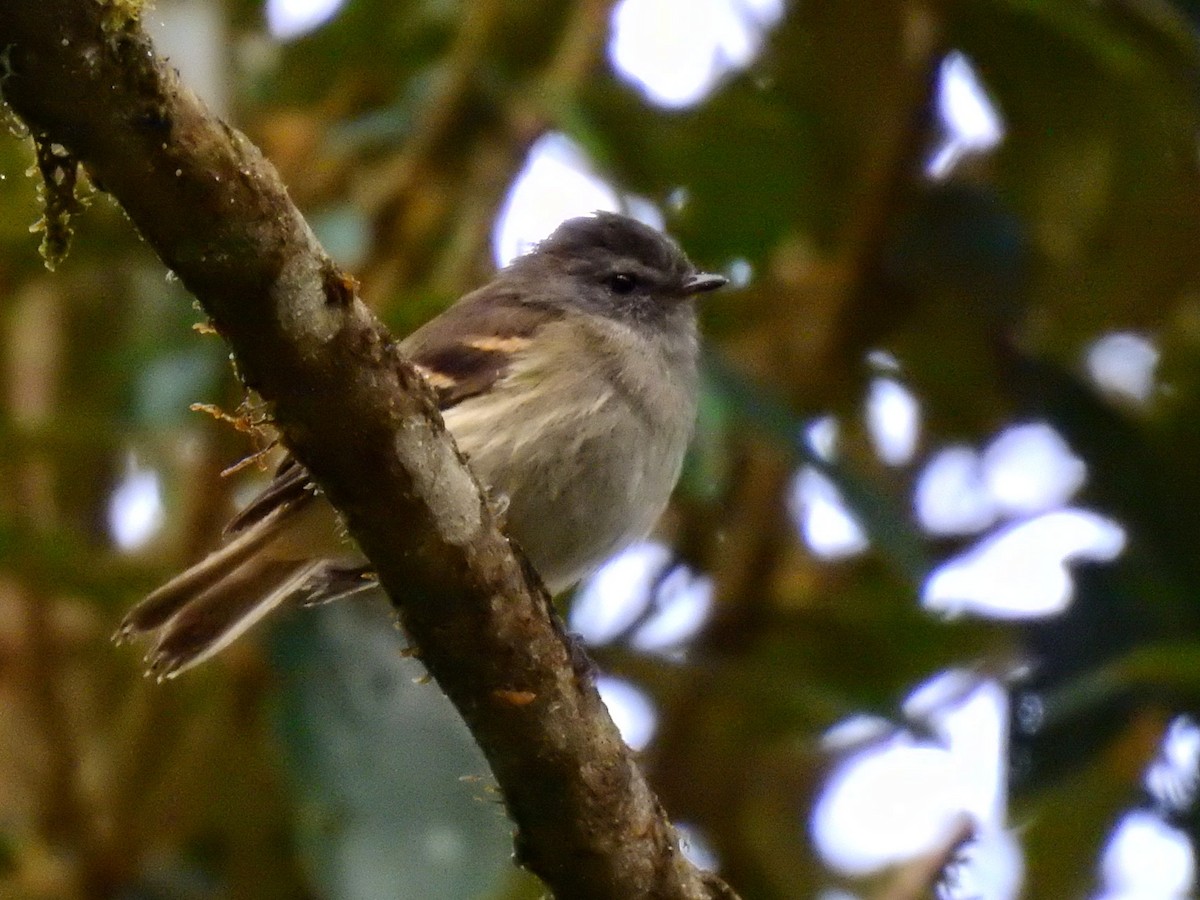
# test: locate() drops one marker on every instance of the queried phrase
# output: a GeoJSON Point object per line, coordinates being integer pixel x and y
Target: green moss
{"type": "Point", "coordinates": [120, 14]}
{"type": "Point", "coordinates": [59, 198]}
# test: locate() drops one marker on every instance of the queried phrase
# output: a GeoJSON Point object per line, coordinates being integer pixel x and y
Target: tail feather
{"type": "Point", "coordinates": [165, 602]}
{"type": "Point", "coordinates": [337, 582]}
{"type": "Point", "coordinates": [269, 560]}
{"type": "Point", "coordinates": [211, 620]}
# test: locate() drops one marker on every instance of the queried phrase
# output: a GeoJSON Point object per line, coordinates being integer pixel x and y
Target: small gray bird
{"type": "Point", "coordinates": [569, 381]}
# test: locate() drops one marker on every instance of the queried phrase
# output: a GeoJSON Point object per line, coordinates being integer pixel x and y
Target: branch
{"type": "Point", "coordinates": [83, 75]}
{"type": "Point", "coordinates": [921, 877]}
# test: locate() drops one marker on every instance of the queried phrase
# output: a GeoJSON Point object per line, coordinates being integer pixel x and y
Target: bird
{"type": "Point", "coordinates": [569, 382]}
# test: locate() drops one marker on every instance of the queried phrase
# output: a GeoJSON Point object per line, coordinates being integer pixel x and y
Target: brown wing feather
{"type": "Point", "coordinates": [466, 349]}
{"type": "Point", "coordinates": [462, 353]}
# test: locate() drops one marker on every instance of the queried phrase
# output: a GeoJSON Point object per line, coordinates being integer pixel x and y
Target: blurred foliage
{"type": "Point", "coordinates": [320, 769]}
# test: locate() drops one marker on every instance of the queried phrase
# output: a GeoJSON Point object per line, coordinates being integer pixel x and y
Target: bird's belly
{"type": "Point", "coordinates": [603, 485]}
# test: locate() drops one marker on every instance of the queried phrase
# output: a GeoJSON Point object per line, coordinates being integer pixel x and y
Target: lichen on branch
{"type": "Point", "coordinates": [59, 195]}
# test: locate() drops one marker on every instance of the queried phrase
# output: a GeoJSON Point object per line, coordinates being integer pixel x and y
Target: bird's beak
{"type": "Point", "coordinates": [703, 282]}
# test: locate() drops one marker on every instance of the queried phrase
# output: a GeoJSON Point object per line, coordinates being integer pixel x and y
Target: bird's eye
{"type": "Point", "coordinates": [622, 283]}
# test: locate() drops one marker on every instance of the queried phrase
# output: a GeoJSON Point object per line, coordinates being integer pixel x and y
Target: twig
{"type": "Point", "coordinates": [440, 113]}
{"type": "Point", "coordinates": [496, 159]}
{"type": "Point", "coordinates": [889, 174]}
{"type": "Point", "coordinates": [921, 877]}
{"type": "Point", "coordinates": [436, 121]}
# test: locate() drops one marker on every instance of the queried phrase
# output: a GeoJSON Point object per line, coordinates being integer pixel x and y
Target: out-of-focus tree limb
{"type": "Point", "coordinates": [920, 877]}
{"type": "Point", "coordinates": [84, 76]}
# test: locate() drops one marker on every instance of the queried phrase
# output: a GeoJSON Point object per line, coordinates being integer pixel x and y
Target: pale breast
{"type": "Point", "coordinates": [584, 452]}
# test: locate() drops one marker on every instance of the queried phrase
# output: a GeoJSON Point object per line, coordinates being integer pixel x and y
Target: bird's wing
{"type": "Point", "coordinates": [469, 347]}
{"type": "Point", "coordinates": [461, 353]}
